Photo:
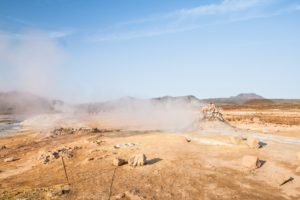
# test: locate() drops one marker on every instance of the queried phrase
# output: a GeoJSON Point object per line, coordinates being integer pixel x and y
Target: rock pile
{"type": "Point", "coordinates": [212, 113]}
{"type": "Point", "coordinates": [66, 152]}
{"type": "Point", "coordinates": [69, 131]}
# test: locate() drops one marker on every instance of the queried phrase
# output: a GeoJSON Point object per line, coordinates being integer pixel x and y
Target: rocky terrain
{"type": "Point", "coordinates": [227, 152]}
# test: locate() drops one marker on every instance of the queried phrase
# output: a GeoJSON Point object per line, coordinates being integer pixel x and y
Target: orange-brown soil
{"type": "Point", "coordinates": [176, 169]}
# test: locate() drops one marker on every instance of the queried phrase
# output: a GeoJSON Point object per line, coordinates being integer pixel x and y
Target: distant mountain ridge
{"type": "Point", "coordinates": [247, 96]}
{"type": "Point", "coordinates": [23, 103]}
{"type": "Point", "coordinates": [238, 99]}
{"type": "Point", "coordinates": [136, 103]}
{"type": "Point", "coordinates": [26, 103]}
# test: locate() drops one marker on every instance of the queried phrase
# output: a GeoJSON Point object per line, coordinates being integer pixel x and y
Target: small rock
{"type": "Point", "coordinates": [137, 160]}
{"type": "Point", "coordinates": [119, 196]}
{"type": "Point", "coordinates": [251, 162]}
{"type": "Point", "coordinates": [253, 143]}
{"type": "Point", "coordinates": [93, 150]}
{"type": "Point", "coordinates": [10, 159]}
{"type": "Point", "coordinates": [90, 159]}
{"type": "Point", "coordinates": [236, 139]}
{"type": "Point", "coordinates": [60, 191]}
{"type": "Point", "coordinates": [188, 139]}
{"type": "Point", "coordinates": [99, 142]}
{"type": "Point", "coordinates": [3, 147]}
{"type": "Point", "coordinates": [133, 195]}
{"type": "Point", "coordinates": [56, 192]}
{"type": "Point", "coordinates": [66, 189]}
{"type": "Point", "coordinates": [118, 146]}
{"type": "Point", "coordinates": [118, 162]}
{"type": "Point", "coordinates": [130, 144]}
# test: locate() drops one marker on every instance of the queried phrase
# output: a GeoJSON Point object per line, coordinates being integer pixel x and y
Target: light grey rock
{"type": "Point", "coordinates": [251, 162]}
{"type": "Point", "coordinates": [119, 162]}
{"type": "Point", "coordinates": [137, 160]}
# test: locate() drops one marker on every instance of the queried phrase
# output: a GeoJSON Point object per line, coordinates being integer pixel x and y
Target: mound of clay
{"type": "Point", "coordinates": [137, 160]}
{"type": "Point", "coordinates": [211, 121]}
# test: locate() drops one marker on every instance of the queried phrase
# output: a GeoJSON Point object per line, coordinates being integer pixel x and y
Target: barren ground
{"type": "Point", "coordinates": [208, 167]}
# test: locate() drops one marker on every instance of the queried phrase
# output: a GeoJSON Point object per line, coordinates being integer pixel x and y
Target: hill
{"type": "Point", "coordinates": [23, 103]}
{"type": "Point", "coordinates": [233, 100]}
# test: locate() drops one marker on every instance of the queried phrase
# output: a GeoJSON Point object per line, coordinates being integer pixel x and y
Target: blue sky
{"type": "Point", "coordinates": [94, 50]}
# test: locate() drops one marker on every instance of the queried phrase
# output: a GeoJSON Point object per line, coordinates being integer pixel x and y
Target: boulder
{"type": "Point", "coordinates": [137, 160]}
{"type": "Point", "coordinates": [118, 162]}
{"type": "Point", "coordinates": [251, 162]}
{"type": "Point", "coordinates": [253, 143]}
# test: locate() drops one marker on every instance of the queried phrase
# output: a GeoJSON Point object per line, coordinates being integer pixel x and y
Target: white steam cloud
{"type": "Point", "coordinates": [34, 60]}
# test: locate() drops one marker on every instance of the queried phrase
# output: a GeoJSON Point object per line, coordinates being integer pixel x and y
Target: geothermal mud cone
{"type": "Point", "coordinates": [211, 120]}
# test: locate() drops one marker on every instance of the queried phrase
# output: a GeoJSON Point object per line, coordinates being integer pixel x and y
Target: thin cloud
{"type": "Point", "coordinates": [26, 24]}
{"type": "Point", "coordinates": [50, 34]}
{"type": "Point", "coordinates": [227, 11]}
{"type": "Point", "coordinates": [227, 6]}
